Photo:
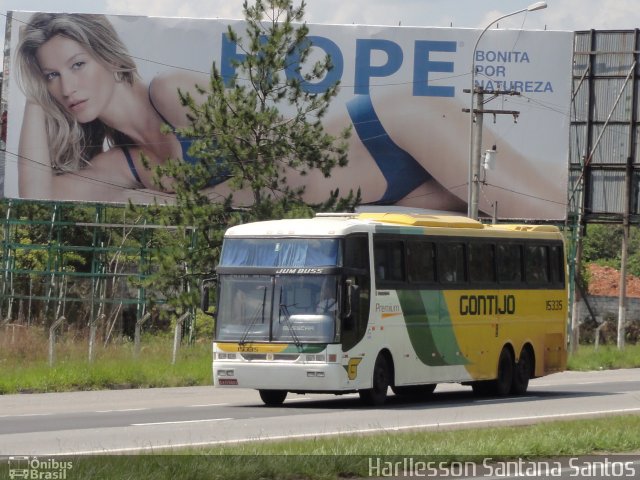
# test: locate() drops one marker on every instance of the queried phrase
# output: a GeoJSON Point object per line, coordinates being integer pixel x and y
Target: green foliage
{"type": "Point", "coordinates": [52, 256]}
{"type": "Point", "coordinates": [258, 126]}
{"type": "Point", "coordinates": [253, 129]}
{"type": "Point", "coordinates": [602, 244]}
{"type": "Point", "coordinates": [205, 326]}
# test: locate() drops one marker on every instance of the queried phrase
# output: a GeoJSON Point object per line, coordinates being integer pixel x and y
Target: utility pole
{"type": "Point", "coordinates": [626, 226]}
{"type": "Point", "coordinates": [477, 126]}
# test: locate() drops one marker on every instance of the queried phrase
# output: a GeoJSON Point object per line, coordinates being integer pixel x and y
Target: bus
{"type": "Point", "coordinates": [364, 302]}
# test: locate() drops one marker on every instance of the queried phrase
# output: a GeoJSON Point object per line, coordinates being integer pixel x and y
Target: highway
{"type": "Point", "coordinates": [122, 421]}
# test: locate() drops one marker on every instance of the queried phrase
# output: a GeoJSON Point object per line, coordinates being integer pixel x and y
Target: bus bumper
{"type": "Point", "coordinates": [297, 377]}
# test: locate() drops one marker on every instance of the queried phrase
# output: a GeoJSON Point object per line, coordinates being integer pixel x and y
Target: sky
{"type": "Point", "coordinates": [559, 15]}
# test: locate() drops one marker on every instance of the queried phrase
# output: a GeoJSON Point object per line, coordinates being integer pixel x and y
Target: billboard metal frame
{"type": "Point", "coordinates": [103, 286]}
{"type": "Point", "coordinates": [604, 158]}
{"type": "Point", "coordinates": [604, 155]}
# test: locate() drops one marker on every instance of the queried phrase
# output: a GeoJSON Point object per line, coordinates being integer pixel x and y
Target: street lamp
{"type": "Point", "coordinates": [475, 141]}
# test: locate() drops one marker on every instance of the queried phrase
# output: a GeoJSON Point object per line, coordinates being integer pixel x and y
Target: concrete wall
{"type": "Point", "coordinates": [607, 308]}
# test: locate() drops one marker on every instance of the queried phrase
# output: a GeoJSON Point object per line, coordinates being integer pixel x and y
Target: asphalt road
{"type": "Point", "coordinates": [155, 419]}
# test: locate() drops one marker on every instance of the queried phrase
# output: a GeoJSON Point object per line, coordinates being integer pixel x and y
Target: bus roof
{"type": "Point", "coordinates": [422, 220]}
{"type": "Point", "coordinates": [332, 224]}
{"type": "Point", "coordinates": [317, 226]}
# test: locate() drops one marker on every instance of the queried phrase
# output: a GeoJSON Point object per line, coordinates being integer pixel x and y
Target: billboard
{"type": "Point", "coordinates": [401, 90]}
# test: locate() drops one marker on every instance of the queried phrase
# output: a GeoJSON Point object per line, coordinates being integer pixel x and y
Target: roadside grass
{"type": "Point", "coordinates": [24, 368]}
{"type": "Point", "coordinates": [24, 362]}
{"type": "Point", "coordinates": [576, 437]}
{"type": "Point", "coordinates": [605, 357]}
{"type": "Point", "coordinates": [353, 456]}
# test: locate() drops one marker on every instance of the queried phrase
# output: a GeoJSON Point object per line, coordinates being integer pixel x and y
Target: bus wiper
{"type": "Point", "coordinates": [255, 317]}
{"type": "Point", "coordinates": [284, 310]}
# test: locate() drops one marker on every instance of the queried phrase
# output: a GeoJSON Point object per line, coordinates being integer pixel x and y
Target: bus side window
{"type": "Point", "coordinates": [557, 264]}
{"type": "Point", "coordinates": [482, 267]}
{"type": "Point", "coordinates": [356, 263]}
{"type": "Point", "coordinates": [451, 263]}
{"type": "Point", "coordinates": [357, 252]}
{"type": "Point", "coordinates": [509, 263]}
{"type": "Point", "coordinates": [420, 261]}
{"type": "Point", "coordinates": [380, 261]}
{"type": "Point", "coordinates": [537, 264]}
{"type": "Point", "coordinates": [389, 260]}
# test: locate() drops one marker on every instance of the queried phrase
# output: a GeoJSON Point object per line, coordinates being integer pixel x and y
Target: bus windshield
{"type": "Point", "coordinates": [277, 308]}
{"type": "Point", "coordinates": [280, 252]}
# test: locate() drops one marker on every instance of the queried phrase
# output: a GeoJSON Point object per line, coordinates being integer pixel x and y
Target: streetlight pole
{"type": "Point", "coordinates": [475, 129]}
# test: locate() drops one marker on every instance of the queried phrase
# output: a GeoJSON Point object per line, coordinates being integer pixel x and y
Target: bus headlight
{"type": "Point", "coordinates": [225, 356]}
{"type": "Point", "coordinates": [316, 358]}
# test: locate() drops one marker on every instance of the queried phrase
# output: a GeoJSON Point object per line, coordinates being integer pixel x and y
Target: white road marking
{"type": "Point", "coordinates": [181, 421]}
{"type": "Point", "coordinates": [122, 410]}
{"type": "Point", "coordinates": [464, 423]}
{"type": "Point", "coordinates": [507, 399]}
{"type": "Point", "coordinates": [27, 415]}
{"type": "Point", "coordinates": [550, 384]}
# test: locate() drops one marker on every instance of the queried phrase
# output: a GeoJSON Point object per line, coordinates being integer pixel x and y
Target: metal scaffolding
{"type": "Point", "coordinates": [82, 261]}
{"type": "Point", "coordinates": [604, 157]}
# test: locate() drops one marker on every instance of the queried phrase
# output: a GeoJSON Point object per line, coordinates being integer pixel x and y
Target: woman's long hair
{"type": "Point", "coordinates": [72, 144]}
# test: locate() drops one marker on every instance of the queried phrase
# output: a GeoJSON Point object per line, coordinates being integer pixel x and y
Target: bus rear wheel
{"type": "Point", "coordinates": [522, 372]}
{"type": "Point", "coordinates": [377, 395]}
{"type": "Point", "coordinates": [273, 398]}
{"type": "Point", "coordinates": [502, 384]}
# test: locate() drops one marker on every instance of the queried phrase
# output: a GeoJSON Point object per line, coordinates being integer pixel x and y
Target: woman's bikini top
{"type": "Point", "coordinates": [185, 144]}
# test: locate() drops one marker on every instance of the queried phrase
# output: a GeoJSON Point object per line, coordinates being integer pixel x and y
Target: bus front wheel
{"type": "Point", "coordinates": [273, 398]}
{"type": "Point", "coordinates": [377, 395]}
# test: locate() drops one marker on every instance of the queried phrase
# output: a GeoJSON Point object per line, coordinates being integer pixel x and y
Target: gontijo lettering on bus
{"type": "Point", "coordinates": [487, 304]}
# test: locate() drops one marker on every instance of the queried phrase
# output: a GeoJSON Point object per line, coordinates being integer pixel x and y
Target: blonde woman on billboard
{"type": "Point", "coordinates": [91, 126]}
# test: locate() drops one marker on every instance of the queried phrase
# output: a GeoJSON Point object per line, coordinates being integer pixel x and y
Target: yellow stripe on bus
{"type": "Point", "coordinates": [252, 347]}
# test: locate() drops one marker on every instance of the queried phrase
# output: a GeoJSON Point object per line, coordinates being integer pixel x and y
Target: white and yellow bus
{"type": "Point", "coordinates": [362, 302]}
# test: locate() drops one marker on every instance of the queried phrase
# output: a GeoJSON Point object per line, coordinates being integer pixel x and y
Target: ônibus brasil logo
{"type": "Point", "coordinates": [33, 468]}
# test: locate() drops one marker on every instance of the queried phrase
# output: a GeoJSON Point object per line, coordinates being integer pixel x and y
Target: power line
{"type": "Point", "coordinates": [525, 194]}
{"type": "Point", "coordinates": [86, 178]}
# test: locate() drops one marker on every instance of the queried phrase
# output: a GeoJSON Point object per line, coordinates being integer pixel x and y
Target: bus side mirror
{"type": "Point", "coordinates": [207, 283]}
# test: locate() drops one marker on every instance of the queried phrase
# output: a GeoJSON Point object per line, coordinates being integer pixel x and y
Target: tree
{"type": "Point", "coordinates": [603, 243]}
{"type": "Point", "coordinates": [256, 126]}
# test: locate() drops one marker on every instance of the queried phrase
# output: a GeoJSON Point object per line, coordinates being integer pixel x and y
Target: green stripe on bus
{"type": "Point", "coordinates": [442, 327]}
{"type": "Point", "coordinates": [305, 348]}
{"type": "Point", "coordinates": [429, 327]}
{"type": "Point", "coordinates": [399, 230]}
